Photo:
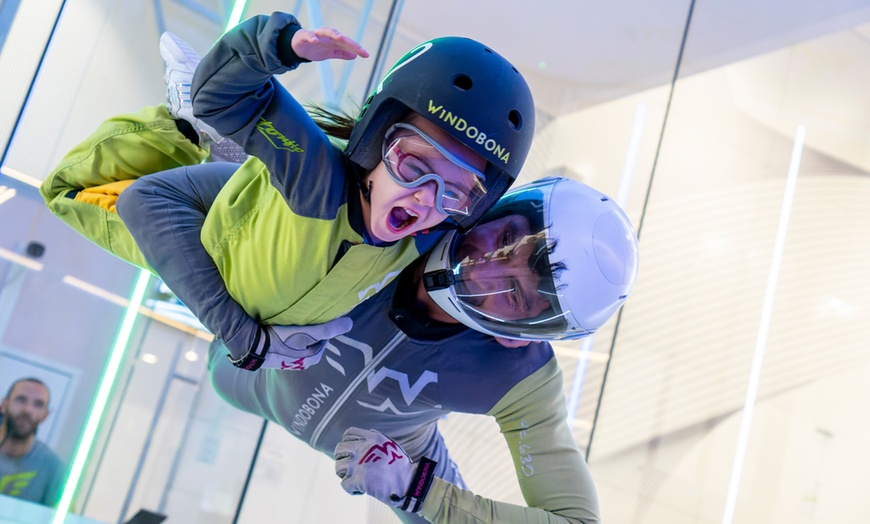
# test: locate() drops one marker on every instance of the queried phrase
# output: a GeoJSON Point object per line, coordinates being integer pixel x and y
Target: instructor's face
{"type": "Point", "coordinates": [496, 276]}
{"type": "Point", "coordinates": [25, 408]}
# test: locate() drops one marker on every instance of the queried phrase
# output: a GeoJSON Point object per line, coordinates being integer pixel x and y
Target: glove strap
{"type": "Point", "coordinates": [254, 358]}
{"type": "Point", "coordinates": [420, 484]}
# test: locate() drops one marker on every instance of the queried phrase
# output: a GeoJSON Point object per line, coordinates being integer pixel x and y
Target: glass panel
{"type": "Point", "coordinates": [302, 479]}
{"type": "Point", "coordinates": [170, 445]}
{"type": "Point", "coordinates": [718, 301]}
{"type": "Point", "coordinates": [52, 326]}
{"type": "Point", "coordinates": [24, 31]}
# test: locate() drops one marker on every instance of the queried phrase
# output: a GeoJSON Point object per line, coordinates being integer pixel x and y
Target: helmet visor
{"type": "Point", "coordinates": [553, 259]}
{"type": "Point", "coordinates": [413, 158]}
{"type": "Point", "coordinates": [503, 279]}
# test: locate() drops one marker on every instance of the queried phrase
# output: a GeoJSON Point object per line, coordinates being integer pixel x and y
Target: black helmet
{"type": "Point", "coordinates": [468, 90]}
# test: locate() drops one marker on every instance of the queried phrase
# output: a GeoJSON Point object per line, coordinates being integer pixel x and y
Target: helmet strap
{"type": "Point", "coordinates": [438, 279]}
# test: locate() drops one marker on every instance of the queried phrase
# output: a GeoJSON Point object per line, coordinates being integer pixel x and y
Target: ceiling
{"type": "Point", "coordinates": [578, 54]}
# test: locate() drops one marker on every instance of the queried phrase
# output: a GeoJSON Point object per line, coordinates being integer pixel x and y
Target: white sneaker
{"type": "Point", "coordinates": [181, 61]}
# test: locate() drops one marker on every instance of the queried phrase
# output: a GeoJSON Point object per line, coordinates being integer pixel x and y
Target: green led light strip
{"type": "Point", "coordinates": [102, 397]}
{"type": "Point", "coordinates": [236, 14]}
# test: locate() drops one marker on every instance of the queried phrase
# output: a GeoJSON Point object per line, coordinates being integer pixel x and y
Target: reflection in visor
{"type": "Point", "coordinates": [509, 284]}
{"type": "Point", "coordinates": [528, 322]}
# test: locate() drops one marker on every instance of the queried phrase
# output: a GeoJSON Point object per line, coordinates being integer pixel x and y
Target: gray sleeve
{"type": "Point", "coordinates": [553, 476]}
{"type": "Point", "coordinates": [235, 91]}
{"type": "Point", "coordinates": [165, 212]}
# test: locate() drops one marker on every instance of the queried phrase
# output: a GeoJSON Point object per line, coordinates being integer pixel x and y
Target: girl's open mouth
{"type": "Point", "coordinates": [400, 219]}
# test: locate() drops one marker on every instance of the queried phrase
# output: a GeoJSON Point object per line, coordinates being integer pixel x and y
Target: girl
{"type": "Point", "coordinates": [306, 230]}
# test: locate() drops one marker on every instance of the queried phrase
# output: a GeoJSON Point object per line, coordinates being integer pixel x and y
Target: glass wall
{"type": "Point", "coordinates": [24, 31]}
{"type": "Point", "coordinates": [735, 389]}
{"type": "Point", "coordinates": [729, 389]}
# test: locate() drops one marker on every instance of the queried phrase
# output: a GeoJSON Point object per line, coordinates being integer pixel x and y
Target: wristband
{"type": "Point", "coordinates": [420, 484]}
{"type": "Point", "coordinates": [252, 360]}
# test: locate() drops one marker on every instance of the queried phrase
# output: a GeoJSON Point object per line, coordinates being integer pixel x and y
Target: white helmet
{"type": "Point", "coordinates": [553, 259]}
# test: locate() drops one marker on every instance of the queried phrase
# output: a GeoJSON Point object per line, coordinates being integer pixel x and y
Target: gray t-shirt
{"type": "Point", "coordinates": [37, 476]}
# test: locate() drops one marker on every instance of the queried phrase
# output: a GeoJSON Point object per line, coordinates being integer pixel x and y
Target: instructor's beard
{"type": "Point", "coordinates": [21, 427]}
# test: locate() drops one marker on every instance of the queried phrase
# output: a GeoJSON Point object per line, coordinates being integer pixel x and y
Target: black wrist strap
{"type": "Point", "coordinates": [253, 360]}
{"type": "Point", "coordinates": [420, 485]}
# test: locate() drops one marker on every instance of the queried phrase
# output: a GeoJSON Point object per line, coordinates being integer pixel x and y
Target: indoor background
{"type": "Point", "coordinates": [733, 386]}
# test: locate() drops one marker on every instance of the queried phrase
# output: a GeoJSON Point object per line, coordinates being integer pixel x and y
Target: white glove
{"type": "Point", "coordinates": [369, 462]}
{"type": "Point", "coordinates": [291, 347]}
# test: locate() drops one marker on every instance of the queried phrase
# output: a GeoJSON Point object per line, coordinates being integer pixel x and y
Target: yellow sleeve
{"type": "Point", "coordinates": [553, 476]}
{"type": "Point", "coordinates": [123, 148]}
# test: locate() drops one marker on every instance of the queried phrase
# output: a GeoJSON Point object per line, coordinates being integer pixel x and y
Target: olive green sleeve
{"type": "Point", "coordinates": [553, 476]}
{"type": "Point", "coordinates": [124, 147]}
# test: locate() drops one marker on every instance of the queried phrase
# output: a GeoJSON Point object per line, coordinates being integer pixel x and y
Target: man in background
{"type": "Point", "coordinates": [29, 470]}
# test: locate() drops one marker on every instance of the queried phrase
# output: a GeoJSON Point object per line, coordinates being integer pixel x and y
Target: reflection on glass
{"type": "Point", "coordinates": [687, 374]}
{"type": "Point", "coordinates": [103, 390]}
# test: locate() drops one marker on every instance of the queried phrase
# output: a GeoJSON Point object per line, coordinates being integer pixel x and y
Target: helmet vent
{"type": "Point", "coordinates": [515, 119]}
{"type": "Point", "coordinates": [462, 82]}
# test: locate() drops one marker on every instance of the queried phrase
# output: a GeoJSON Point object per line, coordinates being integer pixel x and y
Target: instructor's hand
{"type": "Point", "coordinates": [368, 462]}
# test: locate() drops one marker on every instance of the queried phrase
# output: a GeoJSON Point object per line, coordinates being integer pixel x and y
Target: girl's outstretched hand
{"type": "Point", "coordinates": [325, 43]}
